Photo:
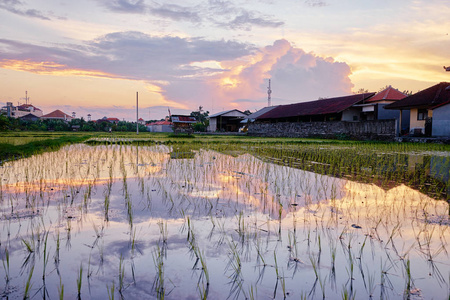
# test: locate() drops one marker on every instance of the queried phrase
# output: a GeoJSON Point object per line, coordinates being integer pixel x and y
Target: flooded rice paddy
{"type": "Point", "coordinates": [139, 222]}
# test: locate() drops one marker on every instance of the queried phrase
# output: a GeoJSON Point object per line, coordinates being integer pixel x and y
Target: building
{"type": "Point", "coordinates": [183, 123]}
{"type": "Point", "coordinates": [57, 115]}
{"type": "Point", "coordinates": [160, 126]}
{"type": "Point", "coordinates": [330, 109]}
{"type": "Point", "coordinates": [422, 106]}
{"type": "Point", "coordinates": [374, 108]}
{"type": "Point", "coordinates": [108, 120]}
{"type": "Point", "coordinates": [229, 120]}
{"type": "Point", "coordinates": [19, 111]}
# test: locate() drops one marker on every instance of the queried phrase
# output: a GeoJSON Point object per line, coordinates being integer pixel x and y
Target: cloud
{"type": "Point", "coordinates": [226, 14]}
{"type": "Point", "coordinates": [11, 6]}
{"type": "Point", "coordinates": [247, 19]}
{"type": "Point", "coordinates": [296, 76]}
{"type": "Point", "coordinates": [176, 13]}
{"type": "Point", "coordinates": [125, 6]}
{"type": "Point", "coordinates": [182, 70]}
{"type": "Point", "coordinates": [132, 55]}
{"type": "Point", "coordinates": [316, 3]}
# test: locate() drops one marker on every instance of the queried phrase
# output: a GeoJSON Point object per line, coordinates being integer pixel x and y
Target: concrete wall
{"type": "Point", "coordinates": [351, 114]}
{"type": "Point", "coordinates": [376, 130]}
{"type": "Point", "coordinates": [212, 125]}
{"type": "Point", "coordinates": [441, 121]}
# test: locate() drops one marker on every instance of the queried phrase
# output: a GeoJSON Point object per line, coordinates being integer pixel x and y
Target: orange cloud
{"type": "Point", "coordinates": [50, 68]}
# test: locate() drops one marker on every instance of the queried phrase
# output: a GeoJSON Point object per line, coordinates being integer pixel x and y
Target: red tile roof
{"type": "Point", "coordinates": [160, 123]}
{"type": "Point", "coordinates": [387, 94]}
{"type": "Point", "coordinates": [57, 114]}
{"type": "Point", "coordinates": [318, 107]}
{"type": "Point", "coordinates": [113, 119]}
{"type": "Point", "coordinates": [428, 98]}
{"type": "Point", "coordinates": [27, 107]}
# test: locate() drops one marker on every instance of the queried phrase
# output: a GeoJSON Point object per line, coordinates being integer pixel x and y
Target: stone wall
{"type": "Point", "coordinates": [364, 130]}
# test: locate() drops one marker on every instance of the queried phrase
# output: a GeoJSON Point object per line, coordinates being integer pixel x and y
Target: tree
{"type": "Point", "coordinates": [361, 91]}
{"type": "Point", "coordinates": [201, 116]}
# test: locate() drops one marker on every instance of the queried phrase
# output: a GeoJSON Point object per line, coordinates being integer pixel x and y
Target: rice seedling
{"type": "Point", "coordinates": [79, 280]}
{"type": "Point", "coordinates": [256, 196]}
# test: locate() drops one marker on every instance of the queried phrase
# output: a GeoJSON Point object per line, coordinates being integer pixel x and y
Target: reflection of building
{"type": "Point", "coordinates": [57, 115]}
{"type": "Point", "coordinates": [229, 120]}
{"type": "Point", "coordinates": [20, 111]}
{"type": "Point", "coordinates": [429, 110]}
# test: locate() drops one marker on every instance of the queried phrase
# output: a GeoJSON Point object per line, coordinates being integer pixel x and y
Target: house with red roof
{"type": "Point", "coordinates": [330, 109]}
{"type": "Point", "coordinates": [57, 115]}
{"type": "Point", "coordinates": [21, 110]}
{"type": "Point", "coordinates": [160, 126]}
{"type": "Point", "coordinates": [108, 120]}
{"type": "Point", "coordinates": [373, 108]}
{"type": "Point", "coordinates": [429, 110]}
{"type": "Point", "coordinates": [183, 123]}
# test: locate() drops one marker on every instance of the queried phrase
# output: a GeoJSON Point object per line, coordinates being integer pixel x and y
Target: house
{"type": "Point", "coordinates": [229, 120]}
{"type": "Point", "coordinates": [330, 109]}
{"type": "Point", "coordinates": [108, 120]}
{"type": "Point", "coordinates": [141, 121]}
{"type": "Point", "coordinates": [423, 106]}
{"type": "Point", "coordinates": [57, 115]}
{"type": "Point", "coordinates": [160, 126]}
{"type": "Point", "coordinates": [374, 108]}
{"type": "Point", "coordinates": [20, 111]}
{"type": "Point", "coordinates": [183, 123]}
{"type": "Point", "coordinates": [29, 118]}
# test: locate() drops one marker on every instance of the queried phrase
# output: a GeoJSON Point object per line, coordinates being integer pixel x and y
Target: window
{"type": "Point", "coordinates": [422, 114]}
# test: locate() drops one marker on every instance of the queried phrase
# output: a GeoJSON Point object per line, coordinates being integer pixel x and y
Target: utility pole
{"type": "Point", "coordinates": [269, 98]}
{"type": "Point", "coordinates": [137, 113]}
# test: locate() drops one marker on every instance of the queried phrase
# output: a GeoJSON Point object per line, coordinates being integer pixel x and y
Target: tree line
{"type": "Point", "coordinates": [8, 123]}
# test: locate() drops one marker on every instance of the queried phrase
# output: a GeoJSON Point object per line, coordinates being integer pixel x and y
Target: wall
{"type": "Point", "coordinates": [441, 121]}
{"type": "Point", "coordinates": [212, 125]}
{"type": "Point", "coordinates": [351, 114]}
{"type": "Point", "coordinates": [376, 130]}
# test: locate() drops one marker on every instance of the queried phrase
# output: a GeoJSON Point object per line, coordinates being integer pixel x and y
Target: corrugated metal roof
{"type": "Point", "coordinates": [260, 112]}
{"type": "Point", "coordinates": [318, 107]}
{"type": "Point", "coordinates": [428, 98]}
{"type": "Point", "coordinates": [183, 119]}
{"type": "Point", "coordinates": [388, 93]}
{"type": "Point", "coordinates": [224, 113]}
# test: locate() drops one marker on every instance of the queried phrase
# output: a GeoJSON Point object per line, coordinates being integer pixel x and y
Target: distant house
{"type": "Point", "coordinates": [20, 111]}
{"type": "Point", "coordinates": [108, 120]}
{"type": "Point", "coordinates": [29, 118]}
{"type": "Point", "coordinates": [229, 120]}
{"type": "Point", "coordinates": [330, 109]}
{"type": "Point", "coordinates": [57, 115]}
{"type": "Point", "coordinates": [141, 121]}
{"type": "Point", "coordinates": [423, 106]}
{"type": "Point", "coordinates": [160, 126]}
{"type": "Point", "coordinates": [183, 123]}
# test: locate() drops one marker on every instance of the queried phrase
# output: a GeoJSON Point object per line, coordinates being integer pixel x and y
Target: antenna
{"type": "Point", "coordinates": [269, 98]}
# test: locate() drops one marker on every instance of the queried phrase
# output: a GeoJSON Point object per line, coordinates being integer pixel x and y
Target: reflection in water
{"type": "Point", "coordinates": [143, 224]}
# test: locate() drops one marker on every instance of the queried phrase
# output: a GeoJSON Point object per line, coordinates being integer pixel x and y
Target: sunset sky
{"type": "Point", "coordinates": [92, 56]}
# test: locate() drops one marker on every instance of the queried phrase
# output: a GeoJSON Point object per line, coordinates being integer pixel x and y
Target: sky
{"type": "Point", "coordinates": [93, 56]}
